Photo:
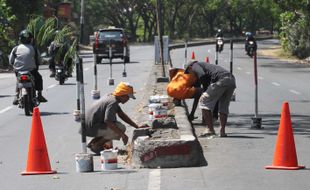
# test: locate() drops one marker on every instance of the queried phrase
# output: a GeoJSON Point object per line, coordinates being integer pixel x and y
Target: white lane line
{"type": "Point", "coordinates": [86, 69]}
{"type": "Point", "coordinates": [275, 83]}
{"type": "Point", "coordinates": [154, 180]}
{"type": "Point", "coordinates": [260, 78]}
{"type": "Point", "coordinates": [51, 86]}
{"type": "Point", "coordinates": [3, 76]}
{"type": "Point", "coordinates": [248, 72]}
{"type": "Point", "coordinates": [239, 68]}
{"type": "Point", "coordinates": [295, 92]}
{"type": "Point", "coordinates": [6, 109]}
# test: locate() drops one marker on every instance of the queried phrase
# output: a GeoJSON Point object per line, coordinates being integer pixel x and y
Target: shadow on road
{"type": "Point", "coordinates": [6, 96]}
{"type": "Point", "coordinates": [53, 113]}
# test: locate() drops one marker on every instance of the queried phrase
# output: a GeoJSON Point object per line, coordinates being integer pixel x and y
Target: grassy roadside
{"type": "Point", "coordinates": [279, 53]}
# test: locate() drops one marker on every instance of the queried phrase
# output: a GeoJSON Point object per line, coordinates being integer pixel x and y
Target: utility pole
{"type": "Point", "coordinates": [160, 31]}
{"type": "Point", "coordinates": [82, 22]}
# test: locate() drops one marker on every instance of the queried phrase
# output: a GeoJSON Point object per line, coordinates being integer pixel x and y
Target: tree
{"type": "Point", "coordinates": [6, 41]}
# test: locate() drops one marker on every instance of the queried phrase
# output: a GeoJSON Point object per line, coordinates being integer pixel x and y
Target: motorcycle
{"type": "Point", "coordinates": [220, 44]}
{"type": "Point", "coordinates": [27, 99]}
{"type": "Point", "coordinates": [61, 72]}
{"type": "Point", "coordinates": [250, 48]}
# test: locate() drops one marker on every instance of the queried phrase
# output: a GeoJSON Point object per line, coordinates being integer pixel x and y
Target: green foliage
{"type": "Point", "coordinates": [45, 32]}
{"type": "Point", "coordinates": [6, 41]}
{"type": "Point", "coordinates": [295, 35]}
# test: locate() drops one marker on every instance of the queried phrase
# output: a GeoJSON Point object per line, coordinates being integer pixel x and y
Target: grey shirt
{"type": "Point", "coordinates": [105, 109]}
{"type": "Point", "coordinates": [22, 57]}
{"type": "Point", "coordinates": [209, 73]}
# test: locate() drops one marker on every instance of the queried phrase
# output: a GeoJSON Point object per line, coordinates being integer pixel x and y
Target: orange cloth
{"type": "Point", "coordinates": [124, 89]}
{"type": "Point", "coordinates": [181, 85]}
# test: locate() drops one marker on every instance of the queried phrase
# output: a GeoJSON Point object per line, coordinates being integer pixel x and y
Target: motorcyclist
{"type": "Point", "coordinates": [219, 36]}
{"type": "Point", "coordinates": [26, 57]}
{"type": "Point", "coordinates": [59, 48]}
{"type": "Point", "coordinates": [249, 37]}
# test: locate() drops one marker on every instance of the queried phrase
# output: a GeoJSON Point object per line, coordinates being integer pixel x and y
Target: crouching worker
{"type": "Point", "coordinates": [184, 86]}
{"type": "Point", "coordinates": [101, 119]}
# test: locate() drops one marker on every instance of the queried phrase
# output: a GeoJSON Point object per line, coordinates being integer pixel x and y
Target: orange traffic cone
{"type": "Point", "coordinates": [285, 153]}
{"type": "Point", "coordinates": [207, 59]}
{"type": "Point", "coordinates": [38, 161]}
{"type": "Point", "coordinates": [193, 56]}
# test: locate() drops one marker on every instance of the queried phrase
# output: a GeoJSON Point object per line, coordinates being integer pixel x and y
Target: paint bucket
{"type": "Point", "coordinates": [84, 162]}
{"type": "Point", "coordinates": [108, 159]}
{"type": "Point", "coordinates": [77, 115]}
{"type": "Point", "coordinates": [95, 94]}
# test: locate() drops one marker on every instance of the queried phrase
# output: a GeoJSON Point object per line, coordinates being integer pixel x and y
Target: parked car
{"type": "Point", "coordinates": [113, 38]}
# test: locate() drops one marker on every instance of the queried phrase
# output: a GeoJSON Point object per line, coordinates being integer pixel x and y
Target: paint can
{"type": "Point", "coordinates": [77, 115]}
{"type": "Point", "coordinates": [108, 159]}
{"type": "Point", "coordinates": [84, 162]}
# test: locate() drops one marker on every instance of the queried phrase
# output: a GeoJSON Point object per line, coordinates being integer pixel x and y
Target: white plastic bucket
{"type": "Point", "coordinates": [84, 162]}
{"type": "Point", "coordinates": [108, 159]}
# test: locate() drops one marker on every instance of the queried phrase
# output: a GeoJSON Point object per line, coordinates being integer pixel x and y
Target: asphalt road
{"type": "Point", "coordinates": [236, 162]}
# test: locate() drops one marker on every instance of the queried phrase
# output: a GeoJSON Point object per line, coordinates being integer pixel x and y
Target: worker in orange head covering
{"type": "Point", "coordinates": [183, 86]}
{"type": "Point", "coordinates": [101, 119]}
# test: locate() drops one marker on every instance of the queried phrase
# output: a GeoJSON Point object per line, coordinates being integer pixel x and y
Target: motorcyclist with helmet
{"type": "Point", "coordinates": [219, 40]}
{"type": "Point", "coordinates": [26, 57]}
{"type": "Point", "coordinates": [57, 50]}
{"type": "Point", "coordinates": [219, 34]}
{"type": "Point", "coordinates": [250, 37]}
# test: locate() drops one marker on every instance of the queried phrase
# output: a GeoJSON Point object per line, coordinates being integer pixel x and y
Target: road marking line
{"type": "Point", "coordinates": [86, 69]}
{"type": "Point", "coordinates": [248, 72]}
{"type": "Point", "coordinates": [3, 76]}
{"type": "Point", "coordinates": [5, 109]}
{"type": "Point", "coordinates": [51, 86]}
{"type": "Point", "coordinates": [154, 180]}
{"type": "Point", "coordinates": [275, 83]}
{"type": "Point", "coordinates": [295, 92]}
{"type": "Point", "coordinates": [239, 68]}
{"type": "Point", "coordinates": [260, 78]}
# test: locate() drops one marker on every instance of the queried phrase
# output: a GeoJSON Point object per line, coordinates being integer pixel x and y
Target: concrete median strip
{"type": "Point", "coordinates": [167, 147]}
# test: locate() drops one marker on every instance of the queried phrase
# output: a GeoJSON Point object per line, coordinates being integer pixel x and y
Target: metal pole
{"type": "Point", "coordinates": [110, 80]}
{"type": "Point", "coordinates": [95, 93]}
{"type": "Point", "coordinates": [95, 73]}
{"type": "Point", "coordinates": [185, 62]}
{"type": "Point", "coordinates": [84, 149]}
{"type": "Point", "coordinates": [77, 112]}
{"type": "Point", "coordinates": [255, 81]}
{"type": "Point", "coordinates": [256, 121]}
{"type": "Point", "coordinates": [83, 161]}
{"type": "Point", "coordinates": [231, 56]}
{"type": "Point", "coordinates": [216, 53]}
{"type": "Point", "coordinates": [125, 54]}
{"type": "Point", "coordinates": [82, 22]}
{"type": "Point", "coordinates": [233, 97]}
{"type": "Point", "coordinates": [159, 29]}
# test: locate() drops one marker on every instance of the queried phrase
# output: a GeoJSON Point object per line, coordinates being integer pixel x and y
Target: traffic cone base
{"type": "Point", "coordinates": [38, 172]}
{"type": "Point", "coordinates": [38, 161]}
{"type": "Point", "coordinates": [285, 157]}
{"type": "Point", "coordinates": [285, 167]}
